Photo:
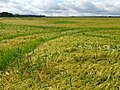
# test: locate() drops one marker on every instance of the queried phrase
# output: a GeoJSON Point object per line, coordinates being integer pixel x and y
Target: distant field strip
{"type": "Point", "coordinates": [18, 30]}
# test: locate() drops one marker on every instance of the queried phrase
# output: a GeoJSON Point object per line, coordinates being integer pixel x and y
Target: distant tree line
{"type": "Point", "coordinates": [7, 14]}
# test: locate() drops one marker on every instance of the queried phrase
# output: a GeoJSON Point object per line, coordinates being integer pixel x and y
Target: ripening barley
{"type": "Point", "coordinates": [59, 53]}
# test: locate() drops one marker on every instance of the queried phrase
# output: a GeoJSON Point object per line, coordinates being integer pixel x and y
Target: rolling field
{"type": "Point", "coordinates": [59, 53]}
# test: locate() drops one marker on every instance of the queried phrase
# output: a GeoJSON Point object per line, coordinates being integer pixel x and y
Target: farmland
{"type": "Point", "coordinates": [59, 53]}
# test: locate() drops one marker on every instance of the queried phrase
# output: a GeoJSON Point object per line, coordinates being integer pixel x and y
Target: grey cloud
{"type": "Point", "coordinates": [85, 7]}
{"type": "Point", "coordinates": [4, 1]}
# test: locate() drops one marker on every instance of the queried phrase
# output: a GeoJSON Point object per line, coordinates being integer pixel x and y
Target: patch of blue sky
{"type": "Point", "coordinates": [29, 1]}
{"type": "Point", "coordinates": [59, 1]}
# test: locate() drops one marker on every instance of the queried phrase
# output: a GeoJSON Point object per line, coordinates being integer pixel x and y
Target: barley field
{"type": "Point", "coordinates": [60, 53]}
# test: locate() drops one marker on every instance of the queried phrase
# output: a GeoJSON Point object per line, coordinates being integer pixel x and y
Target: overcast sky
{"type": "Point", "coordinates": [61, 7]}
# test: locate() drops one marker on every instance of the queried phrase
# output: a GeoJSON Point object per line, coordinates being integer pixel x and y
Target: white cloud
{"type": "Point", "coordinates": [61, 7]}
